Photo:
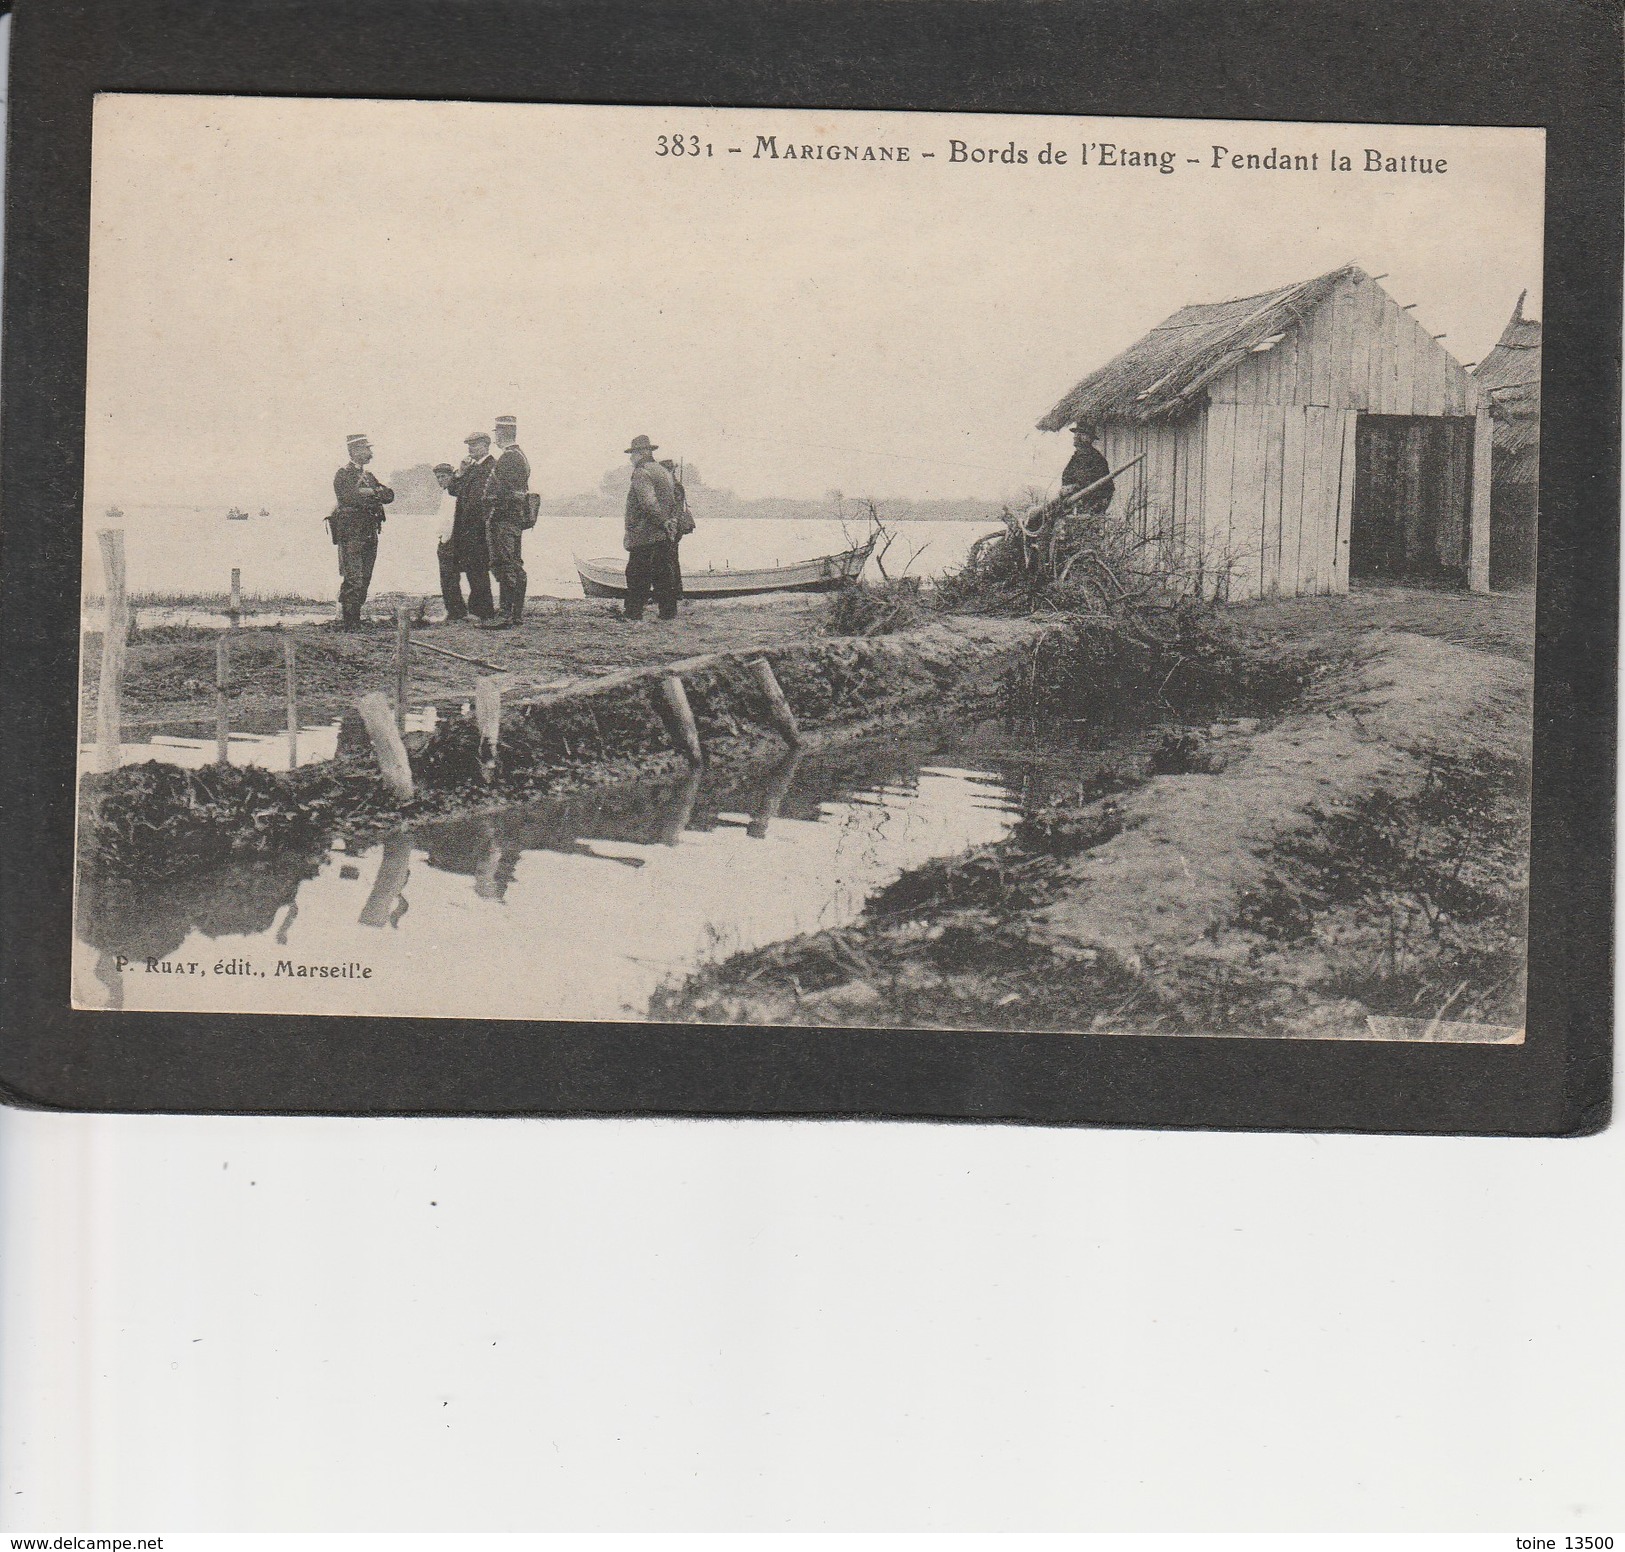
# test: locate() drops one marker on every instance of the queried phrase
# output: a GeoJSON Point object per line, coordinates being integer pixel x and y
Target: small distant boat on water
{"type": "Point", "coordinates": [606, 578]}
{"type": "Point", "coordinates": [265, 511]}
{"type": "Point", "coordinates": [114, 512]}
{"type": "Point", "coordinates": [236, 515]}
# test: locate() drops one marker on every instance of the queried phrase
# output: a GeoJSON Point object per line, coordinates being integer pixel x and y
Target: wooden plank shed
{"type": "Point", "coordinates": [1294, 439]}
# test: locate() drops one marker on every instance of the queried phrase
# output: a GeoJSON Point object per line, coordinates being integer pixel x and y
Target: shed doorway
{"type": "Point", "coordinates": [1413, 487]}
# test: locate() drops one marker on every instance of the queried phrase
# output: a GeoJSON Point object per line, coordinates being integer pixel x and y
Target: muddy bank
{"type": "Point", "coordinates": [170, 673]}
{"type": "Point", "coordinates": [151, 819]}
{"type": "Point", "coordinates": [1354, 868]}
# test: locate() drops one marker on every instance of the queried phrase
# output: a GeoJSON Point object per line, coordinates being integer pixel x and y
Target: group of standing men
{"type": "Point", "coordinates": [493, 509]}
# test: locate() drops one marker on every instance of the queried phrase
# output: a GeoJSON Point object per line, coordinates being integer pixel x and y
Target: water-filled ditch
{"type": "Point", "coordinates": [578, 907]}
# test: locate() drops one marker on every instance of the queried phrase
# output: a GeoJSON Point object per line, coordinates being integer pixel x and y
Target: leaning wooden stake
{"type": "Point", "coordinates": [290, 673]}
{"type": "Point", "coordinates": [403, 660]}
{"type": "Point", "coordinates": [236, 610]}
{"type": "Point", "coordinates": [222, 713]}
{"type": "Point", "coordinates": [115, 641]}
{"type": "Point", "coordinates": [784, 719]}
{"type": "Point", "coordinates": [688, 733]}
{"type": "Point", "coordinates": [386, 743]}
{"type": "Point", "coordinates": [488, 719]}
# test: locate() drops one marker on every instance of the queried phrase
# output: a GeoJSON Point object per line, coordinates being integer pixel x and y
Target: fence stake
{"type": "Point", "coordinates": [115, 641]}
{"type": "Point", "coordinates": [222, 682]}
{"type": "Point", "coordinates": [386, 744]}
{"type": "Point", "coordinates": [236, 610]}
{"type": "Point", "coordinates": [488, 719]}
{"type": "Point", "coordinates": [290, 673]}
{"type": "Point", "coordinates": [688, 740]}
{"type": "Point", "coordinates": [403, 658]}
{"type": "Point", "coordinates": [784, 719]}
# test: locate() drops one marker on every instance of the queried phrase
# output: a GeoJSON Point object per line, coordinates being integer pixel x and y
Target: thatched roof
{"type": "Point", "coordinates": [1509, 376]}
{"type": "Point", "coordinates": [1161, 374]}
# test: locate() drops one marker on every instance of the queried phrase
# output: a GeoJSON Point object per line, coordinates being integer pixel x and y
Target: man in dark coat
{"type": "Point", "coordinates": [1086, 465]}
{"type": "Point", "coordinates": [651, 528]}
{"type": "Point", "coordinates": [510, 492]}
{"type": "Point", "coordinates": [459, 554]}
{"type": "Point", "coordinates": [470, 552]}
{"type": "Point", "coordinates": [354, 523]}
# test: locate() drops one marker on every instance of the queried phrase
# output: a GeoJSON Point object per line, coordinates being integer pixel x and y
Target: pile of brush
{"type": "Point", "coordinates": [873, 608]}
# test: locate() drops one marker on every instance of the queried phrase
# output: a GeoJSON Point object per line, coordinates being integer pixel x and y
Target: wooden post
{"type": "Point", "coordinates": [488, 719]}
{"type": "Point", "coordinates": [688, 733]}
{"type": "Point", "coordinates": [290, 674]}
{"type": "Point", "coordinates": [403, 658]}
{"type": "Point", "coordinates": [222, 715]}
{"type": "Point", "coordinates": [784, 719]}
{"type": "Point", "coordinates": [236, 610]}
{"type": "Point", "coordinates": [1478, 553]}
{"type": "Point", "coordinates": [386, 743]}
{"type": "Point", "coordinates": [115, 641]}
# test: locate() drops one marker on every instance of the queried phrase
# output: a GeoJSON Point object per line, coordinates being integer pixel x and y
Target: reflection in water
{"type": "Point", "coordinates": [577, 907]}
{"type": "Point", "coordinates": [386, 905]}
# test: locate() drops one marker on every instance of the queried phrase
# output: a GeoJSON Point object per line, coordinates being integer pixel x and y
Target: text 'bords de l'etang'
{"type": "Point", "coordinates": [1086, 154]}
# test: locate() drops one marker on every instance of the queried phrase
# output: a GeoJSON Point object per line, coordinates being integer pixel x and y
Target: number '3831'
{"type": "Point", "coordinates": [681, 145]}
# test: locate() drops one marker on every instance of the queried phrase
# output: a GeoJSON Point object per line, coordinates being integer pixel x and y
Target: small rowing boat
{"type": "Point", "coordinates": [606, 578]}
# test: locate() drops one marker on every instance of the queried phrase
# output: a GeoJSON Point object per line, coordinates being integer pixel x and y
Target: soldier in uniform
{"type": "Point", "coordinates": [354, 524]}
{"type": "Point", "coordinates": [470, 543]}
{"type": "Point", "coordinates": [651, 528]}
{"type": "Point", "coordinates": [505, 526]}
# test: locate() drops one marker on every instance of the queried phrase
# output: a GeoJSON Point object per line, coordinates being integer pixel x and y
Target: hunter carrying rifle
{"type": "Point", "coordinates": [1086, 492]}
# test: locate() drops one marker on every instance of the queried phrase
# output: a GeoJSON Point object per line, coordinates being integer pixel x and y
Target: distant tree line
{"type": "Point", "coordinates": [719, 503]}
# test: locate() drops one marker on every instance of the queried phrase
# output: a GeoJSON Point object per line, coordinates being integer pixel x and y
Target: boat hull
{"type": "Point", "coordinates": [823, 574]}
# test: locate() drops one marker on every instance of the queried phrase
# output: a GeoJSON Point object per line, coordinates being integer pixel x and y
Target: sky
{"type": "Point", "coordinates": [269, 275]}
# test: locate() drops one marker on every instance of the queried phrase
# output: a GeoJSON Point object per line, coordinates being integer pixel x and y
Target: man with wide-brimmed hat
{"type": "Point", "coordinates": [651, 528]}
{"type": "Point", "coordinates": [508, 519]}
{"type": "Point", "coordinates": [354, 524]}
{"type": "Point", "coordinates": [1084, 468]}
{"type": "Point", "coordinates": [470, 545]}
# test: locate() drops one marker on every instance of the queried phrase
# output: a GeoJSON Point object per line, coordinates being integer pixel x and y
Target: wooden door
{"type": "Point", "coordinates": [1412, 496]}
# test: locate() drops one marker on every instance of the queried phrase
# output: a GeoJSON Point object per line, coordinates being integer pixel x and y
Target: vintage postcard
{"type": "Point", "coordinates": [809, 568]}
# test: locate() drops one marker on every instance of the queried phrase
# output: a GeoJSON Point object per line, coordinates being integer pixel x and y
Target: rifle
{"type": "Point", "coordinates": [1052, 509]}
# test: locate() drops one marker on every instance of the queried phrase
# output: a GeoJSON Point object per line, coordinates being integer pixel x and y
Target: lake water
{"type": "Point", "coordinates": [189, 550]}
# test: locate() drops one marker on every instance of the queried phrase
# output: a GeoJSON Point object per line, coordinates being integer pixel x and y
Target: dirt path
{"type": "Point", "coordinates": [1355, 869]}
{"type": "Point", "coordinates": [562, 642]}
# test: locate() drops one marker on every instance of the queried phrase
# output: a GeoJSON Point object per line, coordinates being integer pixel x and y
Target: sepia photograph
{"type": "Point", "coordinates": [788, 567]}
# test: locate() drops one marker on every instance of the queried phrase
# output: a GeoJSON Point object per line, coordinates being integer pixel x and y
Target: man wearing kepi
{"type": "Point", "coordinates": [651, 526]}
{"type": "Point", "coordinates": [510, 497]}
{"type": "Point", "coordinates": [470, 544]}
{"type": "Point", "coordinates": [354, 524]}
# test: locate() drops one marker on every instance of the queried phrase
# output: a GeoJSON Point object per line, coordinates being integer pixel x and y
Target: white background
{"type": "Point", "coordinates": [474, 1324]}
